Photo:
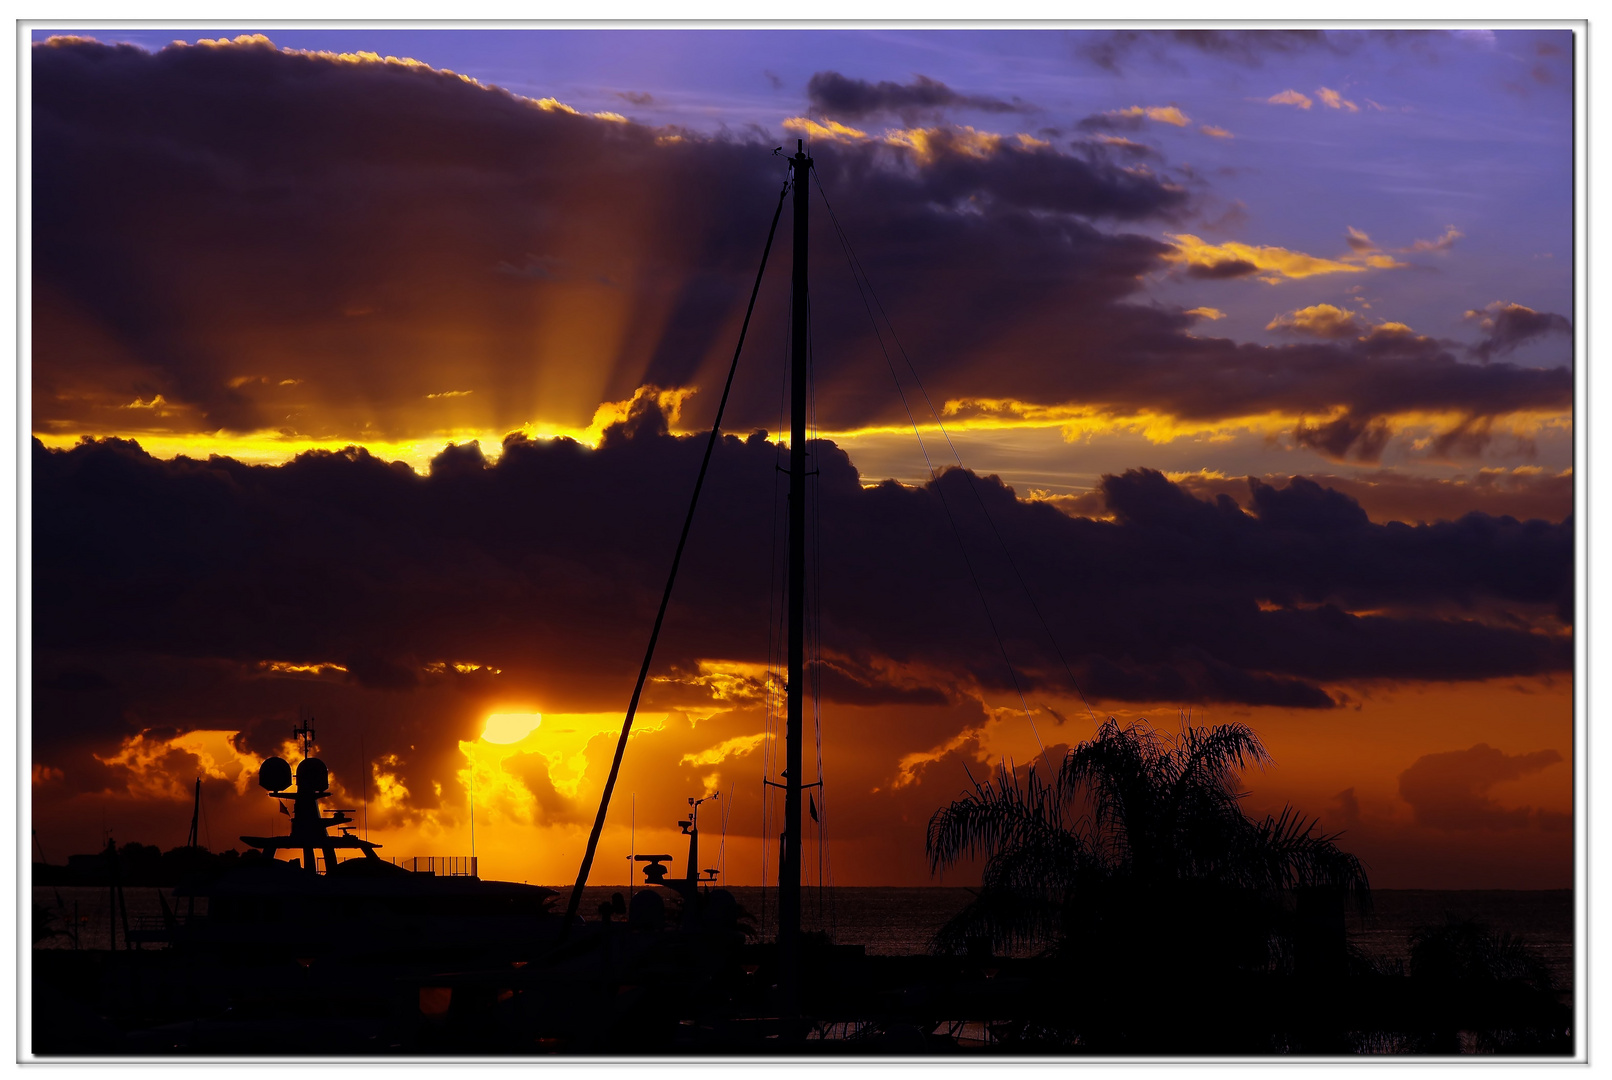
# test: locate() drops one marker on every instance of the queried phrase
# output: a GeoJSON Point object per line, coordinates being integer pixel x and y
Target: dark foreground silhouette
{"type": "Point", "coordinates": [1135, 877]}
{"type": "Point", "coordinates": [1128, 907]}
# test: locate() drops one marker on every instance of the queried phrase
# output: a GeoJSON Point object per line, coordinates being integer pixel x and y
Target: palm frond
{"type": "Point", "coordinates": [1164, 844]}
{"type": "Point", "coordinates": [996, 815]}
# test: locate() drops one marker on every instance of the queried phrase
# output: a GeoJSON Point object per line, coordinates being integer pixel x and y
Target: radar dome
{"type": "Point", "coordinates": [312, 775]}
{"type": "Point", "coordinates": [275, 774]}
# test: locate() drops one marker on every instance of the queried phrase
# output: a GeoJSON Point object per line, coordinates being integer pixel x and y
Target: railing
{"type": "Point", "coordinates": [440, 865]}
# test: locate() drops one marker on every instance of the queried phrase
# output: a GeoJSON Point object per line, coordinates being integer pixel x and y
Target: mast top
{"type": "Point", "coordinates": [306, 734]}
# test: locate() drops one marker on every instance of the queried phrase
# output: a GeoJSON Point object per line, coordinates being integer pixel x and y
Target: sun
{"type": "Point", "coordinates": [506, 728]}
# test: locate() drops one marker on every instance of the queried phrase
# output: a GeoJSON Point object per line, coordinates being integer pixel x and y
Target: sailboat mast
{"type": "Point", "coordinates": [194, 840]}
{"type": "Point", "coordinates": [790, 848]}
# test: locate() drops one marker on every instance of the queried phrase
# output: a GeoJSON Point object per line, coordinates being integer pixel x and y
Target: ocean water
{"type": "Point", "coordinates": [901, 921]}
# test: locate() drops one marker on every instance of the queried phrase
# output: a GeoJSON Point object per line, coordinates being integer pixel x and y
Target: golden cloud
{"type": "Point", "coordinates": [278, 447]}
{"type": "Point", "coordinates": [157, 404]}
{"type": "Point", "coordinates": [1290, 97]}
{"type": "Point", "coordinates": [925, 142]}
{"type": "Point", "coordinates": [1212, 314]}
{"type": "Point", "coordinates": [1318, 320]}
{"type": "Point", "coordinates": [728, 682]}
{"type": "Point", "coordinates": [1216, 132]}
{"type": "Point", "coordinates": [828, 129]}
{"type": "Point", "coordinates": [362, 56]}
{"type": "Point", "coordinates": [1121, 142]}
{"type": "Point", "coordinates": [737, 746]}
{"type": "Point", "coordinates": [1269, 262]}
{"type": "Point", "coordinates": [1334, 100]}
{"type": "Point", "coordinates": [1442, 244]}
{"type": "Point", "coordinates": [1164, 114]}
{"type": "Point", "coordinates": [288, 667]}
{"type": "Point", "coordinates": [154, 765]}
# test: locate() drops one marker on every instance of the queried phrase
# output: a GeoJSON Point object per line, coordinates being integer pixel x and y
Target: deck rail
{"type": "Point", "coordinates": [440, 865]}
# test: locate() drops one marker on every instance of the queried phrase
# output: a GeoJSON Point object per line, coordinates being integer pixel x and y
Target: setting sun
{"type": "Point", "coordinates": [505, 728]}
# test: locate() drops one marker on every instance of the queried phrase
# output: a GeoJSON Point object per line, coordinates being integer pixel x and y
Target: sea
{"type": "Point", "coordinates": [902, 921]}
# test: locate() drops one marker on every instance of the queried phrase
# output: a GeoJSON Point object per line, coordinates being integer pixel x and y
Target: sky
{"type": "Point", "coordinates": [370, 366]}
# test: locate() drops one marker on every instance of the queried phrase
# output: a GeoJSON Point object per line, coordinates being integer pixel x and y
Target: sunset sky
{"type": "Point", "coordinates": [370, 369]}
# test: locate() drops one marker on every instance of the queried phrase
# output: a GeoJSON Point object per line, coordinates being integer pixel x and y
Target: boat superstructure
{"type": "Point", "coordinates": [310, 828]}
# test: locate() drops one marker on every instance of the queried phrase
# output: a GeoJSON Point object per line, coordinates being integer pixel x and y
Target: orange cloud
{"type": "Point", "coordinates": [929, 143]}
{"type": "Point", "coordinates": [828, 129]}
{"type": "Point", "coordinates": [1212, 314]}
{"type": "Point", "coordinates": [289, 667]}
{"type": "Point", "coordinates": [1268, 262]}
{"type": "Point", "coordinates": [277, 447]}
{"type": "Point", "coordinates": [1290, 97]}
{"type": "Point", "coordinates": [1318, 320]}
{"type": "Point", "coordinates": [1216, 132]}
{"type": "Point", "coordinates": [1123, 143]}
{"type": "Point", "coordinates": [1334, 100]}
{"type": "Point", "coordinates": [1442, 244]}
{"type": "Point", "coordinates": [1164, 114]}
{"type": "Point", "coordinates": [155, 766]}
{"type": "Point", "coordinates": [737, 746]}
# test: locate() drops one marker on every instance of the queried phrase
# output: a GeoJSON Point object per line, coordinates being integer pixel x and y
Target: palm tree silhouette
{"type": "Point", "coordinates": [1138, 856]}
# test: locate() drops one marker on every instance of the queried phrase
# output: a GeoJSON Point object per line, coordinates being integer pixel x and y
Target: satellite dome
{"type": "Point", "coordinates": [274, 775]}
{"type": "Point", "coordinates": [312, 775]}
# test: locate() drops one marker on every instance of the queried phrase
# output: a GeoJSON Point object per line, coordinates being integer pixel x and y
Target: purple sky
{"type": "Point", "coordinates": [1474, 129]}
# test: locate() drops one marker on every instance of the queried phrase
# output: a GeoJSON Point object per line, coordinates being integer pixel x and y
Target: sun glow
{"type": "Point", "coordinates": [506, 728]}
{"type": "Point", "coordinates": [276, 448]}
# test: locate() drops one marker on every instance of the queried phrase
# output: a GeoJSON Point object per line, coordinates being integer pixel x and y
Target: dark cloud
{"type": "Point", "coordinates": [1115, 144]}
{"type": "Point", "coordinates": [1458, 836]}
{"type": "Point", "coordinates": [1450, 790]}
{"type": "Point", "coordinates": [1391, 496]}
{"type": "Point", "coordinates": [1227, 268]}
{"type": "Point", "coordinates": [842, 98]}
{"type": "Point", "coordinates": [280, 241]}
{"type": "Point", "coordinates": [1360, 437]}
{"type": "Point", "coordinates": [1507, 326]}
{"type": "Point", "coordinates": [154, 579]}
{"type": "Point", "coordinates": [239, 238]}
{"type": "Point", "coordinates": [1112, 49]}
{"type": "Point", "coordinates": [1114, 121]}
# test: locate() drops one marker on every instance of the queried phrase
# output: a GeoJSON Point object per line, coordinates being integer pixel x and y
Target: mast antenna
{"type": "Point", "coordinates": [306, 734]}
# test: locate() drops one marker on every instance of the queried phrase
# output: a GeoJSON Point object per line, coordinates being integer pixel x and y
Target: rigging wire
{"type": "Point", "coordinates": [1029, 595]}
{"type": "Point", "coordinates": [962, 548]}
{"type": "Point", "coordinates": [671, 579]}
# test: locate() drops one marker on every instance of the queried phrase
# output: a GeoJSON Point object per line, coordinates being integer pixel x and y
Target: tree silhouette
{"type": "Point", "coordinates": [1139, 854]}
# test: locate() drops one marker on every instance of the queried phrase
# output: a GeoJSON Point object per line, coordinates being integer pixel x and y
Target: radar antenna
{"type": "Point", "coordinates": [306, 734]}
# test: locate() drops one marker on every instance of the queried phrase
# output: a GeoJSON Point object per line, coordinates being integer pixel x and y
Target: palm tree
{"type": "Point", "coordinates": [1139, 853]}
